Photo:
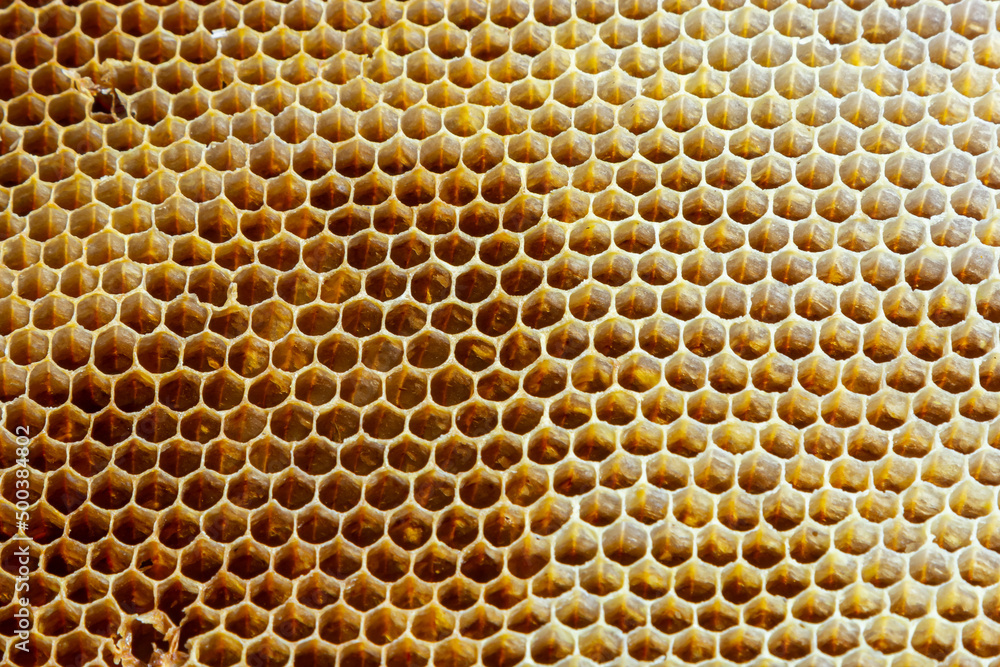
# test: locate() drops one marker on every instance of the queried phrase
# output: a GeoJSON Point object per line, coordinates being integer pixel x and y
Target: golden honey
{"type": "Point", "coordinates": [499, 332]}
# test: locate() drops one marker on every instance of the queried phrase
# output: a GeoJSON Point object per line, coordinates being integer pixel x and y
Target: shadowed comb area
{"type": "Point", "coordinates": [485, 333]}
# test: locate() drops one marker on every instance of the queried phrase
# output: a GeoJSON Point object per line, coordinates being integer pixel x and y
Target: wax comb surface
{"type": "Point", "coordinates": [467, 332]}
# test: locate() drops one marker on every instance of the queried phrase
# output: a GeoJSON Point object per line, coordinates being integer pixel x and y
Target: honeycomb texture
{"type": "Point", "coordinates": [468, 332]}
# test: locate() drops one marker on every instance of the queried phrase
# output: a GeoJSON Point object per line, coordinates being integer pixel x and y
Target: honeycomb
{"type": "Point", "coordinates": [468, 332]}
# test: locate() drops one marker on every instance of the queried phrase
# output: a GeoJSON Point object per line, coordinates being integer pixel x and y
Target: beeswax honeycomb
{"type": "Point", "coordinates": [500, 332]}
